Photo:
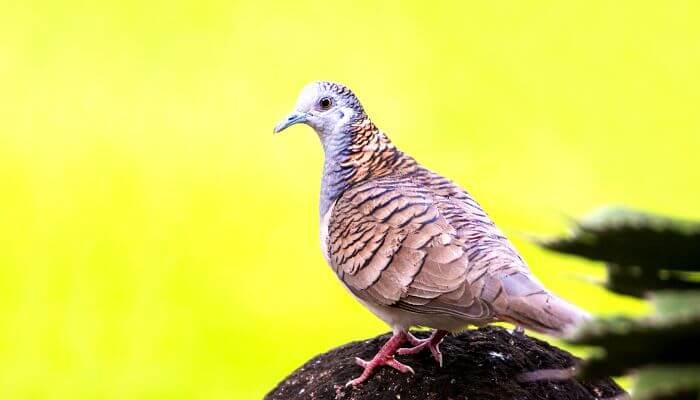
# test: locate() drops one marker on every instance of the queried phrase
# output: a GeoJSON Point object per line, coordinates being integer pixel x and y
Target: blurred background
{"type": "Point", "coordinates": [157, 242]}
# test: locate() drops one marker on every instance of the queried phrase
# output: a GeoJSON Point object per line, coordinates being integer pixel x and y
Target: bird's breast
{"type": "Point", "coordinates": [323, 236]}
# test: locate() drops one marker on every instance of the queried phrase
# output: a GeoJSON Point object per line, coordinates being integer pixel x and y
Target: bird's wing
{"type": "Point", "coordinates": [422, 244]}
{"type": "Point", "coordinates": [391, 244]}
{"type": "Point", "coordinates": [497, 273]}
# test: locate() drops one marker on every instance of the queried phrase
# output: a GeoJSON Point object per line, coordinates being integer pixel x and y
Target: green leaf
{"type": "Point", "coordinates": [625, 343]}
{"type": "Point", "coordinates": [676, 305]}
{"type": "Point", "coordinates": [638, 282]}
{"type": "Point", "coordinates": [628, 237]}
{"type": "Point", "coordinates": [667, 382]}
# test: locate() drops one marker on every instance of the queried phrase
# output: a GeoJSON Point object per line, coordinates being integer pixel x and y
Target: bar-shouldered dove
{"type": "Point", "coordinates": [412, 246]}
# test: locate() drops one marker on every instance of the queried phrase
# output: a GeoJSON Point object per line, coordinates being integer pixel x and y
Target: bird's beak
{"type": "Point", "coordinates": [295, 117]}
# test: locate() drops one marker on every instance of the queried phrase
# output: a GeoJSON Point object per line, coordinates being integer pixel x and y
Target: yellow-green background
{"type": "Point", "coordinates": [157, 242]}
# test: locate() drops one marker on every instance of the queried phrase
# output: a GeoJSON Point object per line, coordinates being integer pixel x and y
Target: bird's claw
{"type": "Point", "coordinates": [377, 361]}
{"type": "Point", "coordinates": [432, 343]}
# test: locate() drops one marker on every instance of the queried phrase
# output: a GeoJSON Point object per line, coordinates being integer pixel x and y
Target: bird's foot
{"type": "Point", "coordinates": [385, 356]}
{"type": "Point", "coordinates": [432, 343]}
{"type": "Point", "coordinates": [377, 361]}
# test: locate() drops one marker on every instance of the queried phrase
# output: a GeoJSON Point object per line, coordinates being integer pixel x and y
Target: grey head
{"type": "Point", "coordinates": [327, 107]}
{"type": "Point", "coordinates": [330, 109]}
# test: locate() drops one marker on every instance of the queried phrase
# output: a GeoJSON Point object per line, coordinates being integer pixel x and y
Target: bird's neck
{"type": "Point", "coordinates": [360, 153]}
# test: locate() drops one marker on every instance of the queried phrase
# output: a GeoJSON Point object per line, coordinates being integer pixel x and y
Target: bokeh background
{"type": "Point", "coordinates": [157, 242]}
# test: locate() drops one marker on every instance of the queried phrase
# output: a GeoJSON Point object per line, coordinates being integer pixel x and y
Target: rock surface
{"type": "Point", "coordinates": [482, 364]}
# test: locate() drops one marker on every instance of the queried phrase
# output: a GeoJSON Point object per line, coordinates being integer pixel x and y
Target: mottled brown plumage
{"type": "Point", "coordinates": [411, 245]}
{"type": "Point", "coordinates": [404, 237]}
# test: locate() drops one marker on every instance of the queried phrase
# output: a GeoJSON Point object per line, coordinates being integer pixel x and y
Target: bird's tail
{"type": "Point", "coordinates": [536, 308]}
{"type": "Point", "coordinates": [546, 313]}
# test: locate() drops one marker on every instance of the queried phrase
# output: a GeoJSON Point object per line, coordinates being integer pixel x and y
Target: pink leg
{"type": "Point", "coordinates": [432, 343]}
{"type": "Point", "coordinates": [385, 356]}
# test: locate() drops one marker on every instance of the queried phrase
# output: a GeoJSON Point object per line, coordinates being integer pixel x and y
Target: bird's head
{"type": "Point", "coordinates": [325, 106]}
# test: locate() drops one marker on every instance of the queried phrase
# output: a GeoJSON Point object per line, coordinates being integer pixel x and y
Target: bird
{"type": "Point", "coordinates": [412, 246]}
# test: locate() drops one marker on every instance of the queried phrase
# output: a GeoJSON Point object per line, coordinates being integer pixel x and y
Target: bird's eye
{"type": "Point", "coordinates": [325, 103]}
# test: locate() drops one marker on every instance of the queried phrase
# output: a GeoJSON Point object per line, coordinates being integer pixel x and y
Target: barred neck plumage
{"type": "Point", "coordinates": [360, 153]}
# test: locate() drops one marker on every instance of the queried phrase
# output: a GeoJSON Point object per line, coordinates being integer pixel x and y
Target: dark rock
{"type": "Point", "coordinates": [482, 364]}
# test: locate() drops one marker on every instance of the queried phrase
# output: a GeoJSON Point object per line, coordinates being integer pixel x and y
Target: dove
{"type": "Point", "coordinates": [410, 245]}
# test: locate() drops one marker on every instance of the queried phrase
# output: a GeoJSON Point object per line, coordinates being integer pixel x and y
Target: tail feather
{"type": "Point", "coordinates": [532, 306]}
{"type": "Point", "coordinates": [545, 313]}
